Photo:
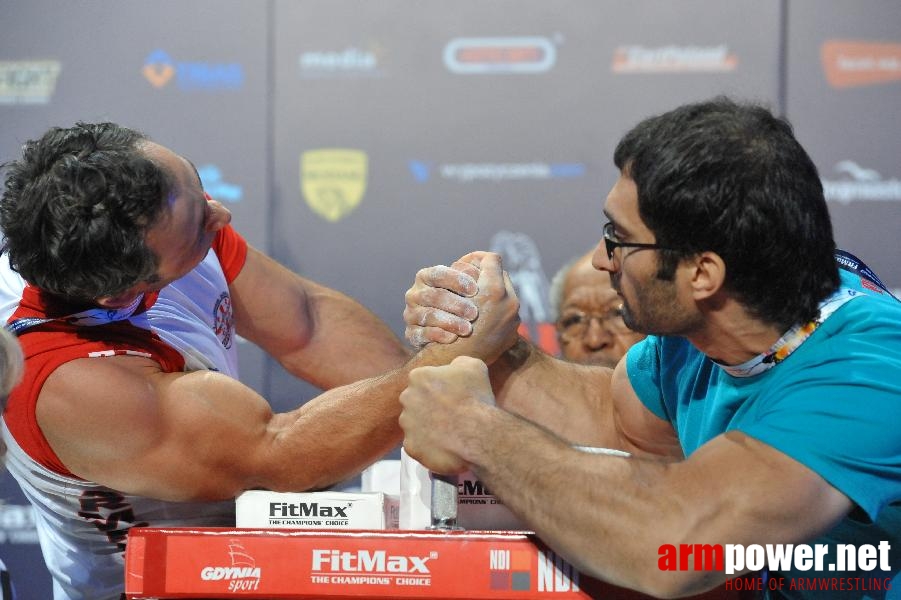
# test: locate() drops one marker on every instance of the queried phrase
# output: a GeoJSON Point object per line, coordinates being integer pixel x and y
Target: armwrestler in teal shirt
{"type": "Point", "coordinates": [825, 403]}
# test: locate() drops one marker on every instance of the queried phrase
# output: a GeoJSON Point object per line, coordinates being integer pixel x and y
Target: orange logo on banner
{"type": "Point", "coordinates": [673, 59]}
{"type": "Point", "coordinates": [158, 74]}
{"type": "Point", "coordinates": [852, 64]}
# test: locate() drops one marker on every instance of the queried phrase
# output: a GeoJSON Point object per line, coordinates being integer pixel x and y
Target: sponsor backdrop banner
{"type": "Point", "coordinates": [408, 134]}
{"type": "Point", "coordinates": [843, 94]}
{"type": "Point", "coordinates": [357, 142]}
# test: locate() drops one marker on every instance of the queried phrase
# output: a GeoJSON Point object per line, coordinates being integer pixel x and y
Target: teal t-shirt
{"type": "Point", "coordinates": [834, 405]}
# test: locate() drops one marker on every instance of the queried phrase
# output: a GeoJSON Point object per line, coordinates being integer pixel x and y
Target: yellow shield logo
{"type": "Point", "coordinates": [333, 180]}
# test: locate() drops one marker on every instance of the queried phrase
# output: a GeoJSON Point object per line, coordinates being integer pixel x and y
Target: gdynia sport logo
{"type": "Point", "coordinates": [812, 567]}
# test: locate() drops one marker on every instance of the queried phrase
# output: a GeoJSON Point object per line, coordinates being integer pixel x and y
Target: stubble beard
{"type": "Point", "coordinates": [659, 311]}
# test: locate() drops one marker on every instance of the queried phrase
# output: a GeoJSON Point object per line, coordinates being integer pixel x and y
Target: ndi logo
{"type": "Point", "coordinates": [160, 69]}
{"type": "Point", "coordinates": [555, 574]}
{"type": "Point", "coordinates": [510, 570]}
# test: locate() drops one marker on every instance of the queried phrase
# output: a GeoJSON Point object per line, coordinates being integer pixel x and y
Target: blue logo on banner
{"type": "Point", "coordinates": [159, 69]}
{"type": "Point", "coordinates": [421, 170]}
{"type": "Point", "coordinates": [560, 170]}
{"type": "Point", "coordinates": [215, 186]}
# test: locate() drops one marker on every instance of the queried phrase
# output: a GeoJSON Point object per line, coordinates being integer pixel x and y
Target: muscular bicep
{"type": "Point", "coordinates": [310, 328]}
{"type": "Point", "coordinates": [735, 488]}
{"type": "Point", "coordinates": [587, 405]}
{"type": "Point", "coordinates": [640, 431]}
{"type": "Point", "coordinates": [122, 423]}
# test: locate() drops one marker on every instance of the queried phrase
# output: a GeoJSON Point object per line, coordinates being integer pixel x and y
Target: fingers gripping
{"type": "Point", "coordinates": [444, 301]}
{"type": "Point", "coordinates": [459, 281]}
{"type": "Point", "coordinates": [435, 403]}
{"type": "Point", "coordinates": [437, 306]}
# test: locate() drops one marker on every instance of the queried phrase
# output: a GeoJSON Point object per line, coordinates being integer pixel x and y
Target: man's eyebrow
{"type": "Point", "coordinates": [622, 233]}
{"type": "Point", "coordinates": [610, 218]}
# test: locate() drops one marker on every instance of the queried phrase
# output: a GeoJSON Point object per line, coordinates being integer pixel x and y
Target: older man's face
{"type": "Point", "coordinates": [590, 328]}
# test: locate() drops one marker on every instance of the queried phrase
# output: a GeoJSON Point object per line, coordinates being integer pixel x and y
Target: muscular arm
{"type": "Point", "coordinates": [610, 515]}
{"type": "Point", "coordinates": [575, 402]}
{"type": "Point", "coordinates": [202, 436]}
{"type": "Point", "coordinates": [123, 423]}
{"type": "Point", "coordinates": [316, 333]}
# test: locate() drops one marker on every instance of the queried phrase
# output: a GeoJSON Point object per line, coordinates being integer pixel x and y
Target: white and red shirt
{"type": "Point", "coordinates": [189, 325]}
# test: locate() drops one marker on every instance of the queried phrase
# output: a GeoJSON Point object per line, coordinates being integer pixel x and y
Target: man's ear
{"type": "Point", "coordinates": [707, 275]}
{"type": "Point", "coordinates": [108, 302]}
{"type": "Point", "coordinates": [103, 301]}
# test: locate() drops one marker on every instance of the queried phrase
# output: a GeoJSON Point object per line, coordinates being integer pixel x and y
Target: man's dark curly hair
{"type": "Point", "coordinates": [731, 178]}
{"type": "Point", "coordinates": [76, 207]}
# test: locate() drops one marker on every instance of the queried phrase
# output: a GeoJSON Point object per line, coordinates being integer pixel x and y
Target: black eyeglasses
{"type": "Point", "coordinates": [611, 243]}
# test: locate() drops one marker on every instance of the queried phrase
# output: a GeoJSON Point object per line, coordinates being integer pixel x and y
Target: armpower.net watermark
{"type": "Point", "coordinates": [829, 566]}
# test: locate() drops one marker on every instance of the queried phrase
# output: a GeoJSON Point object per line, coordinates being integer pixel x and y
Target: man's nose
{"type": "Point", "coordinates": [600, 260]}
{"type": "Point", "coordinates": [596, 335]}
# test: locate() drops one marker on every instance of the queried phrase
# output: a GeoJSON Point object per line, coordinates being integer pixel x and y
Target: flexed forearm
{"type": "Point", "coordinates": [569, 399]}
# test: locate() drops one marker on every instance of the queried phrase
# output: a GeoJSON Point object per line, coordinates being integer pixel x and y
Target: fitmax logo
{"type": "Point", "coordinates": [302, 509]}
{"type": "Point", "coordinates": [364, 561]}
{"type": "Point", "coordinates": [468, 487]}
